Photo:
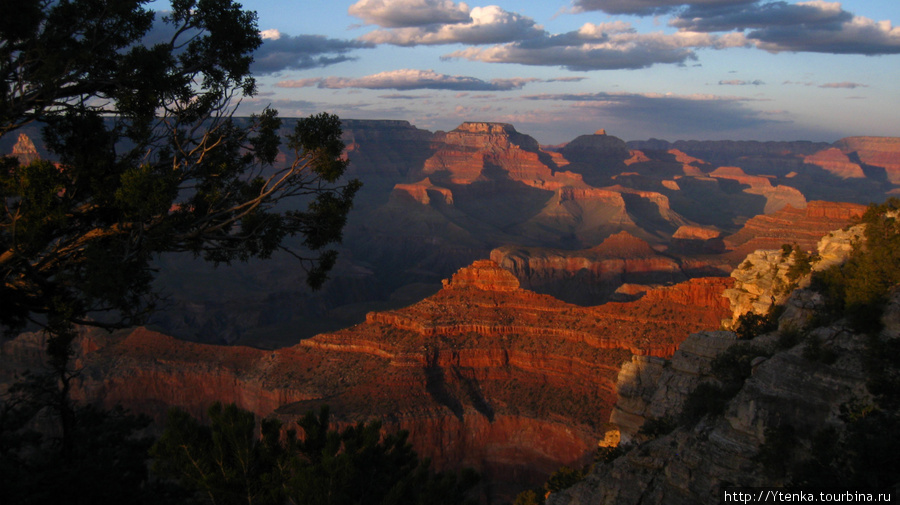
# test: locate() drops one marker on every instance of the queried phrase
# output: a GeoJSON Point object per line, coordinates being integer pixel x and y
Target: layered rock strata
{"type": "Point", "coordinates": [691, 464]}
{"type": "Point", "coordinates": [482, 374]}
{"type": "Point", "coordinates": [589, 276]}
{"type": "Point", "coordinates": [790, 225]}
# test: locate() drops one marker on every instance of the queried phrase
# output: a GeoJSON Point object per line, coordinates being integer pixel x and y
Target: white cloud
{"type": "Point", "coordinates": [487, 25]}
{"type": "Point", "coordinates": [409, 13]}
{"type": "Point", "coordinates": [593, 48]}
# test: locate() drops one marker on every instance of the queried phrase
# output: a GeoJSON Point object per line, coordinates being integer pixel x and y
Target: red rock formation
{"type": "Point", "coordinates": [423, 192]}
{"type": "Point", "coordinates": [483, 373]}
{"type": "Point", "coordinates": [836, 163]}
{"type": "Point", "coordinates": [24, 150]}
{"type": "Point", "coordinates": [696, 240]}
{"type": "Point", "coordinates": [777, 197]}
{"type": "Point", "coordinates": [789, 226]}
{"type": "Point", "coordinates": [696, 233]}
{"type": "Point", "coordinates": [483, 274]}
{"type": "Point", "coordinates": [588, 276]}
{"type": "Point", "coordinates": [883, 152]}
{"type": "Point", "coordinates": [463, 155]}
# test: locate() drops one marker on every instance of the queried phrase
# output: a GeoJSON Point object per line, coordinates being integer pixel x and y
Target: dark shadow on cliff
{"type": "Point", "coordinates": [436, 385]}
{"type": "Point", "coordinates": [818, 184]}
{"type": "Point", "coordinates": [472, 388]}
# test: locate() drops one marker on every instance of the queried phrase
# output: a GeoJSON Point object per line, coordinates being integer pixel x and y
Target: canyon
{"type": "Point", "coordinates": [806, 379]}
{"type": "Point", "coordinates": [433, 202]}
{"type": "Point", "coordinates": [483, 374]}
{"type": "Point", "coordinates": [488, 291]}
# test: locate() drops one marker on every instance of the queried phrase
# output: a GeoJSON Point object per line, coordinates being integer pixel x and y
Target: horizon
{"type": "Point", "coordinates": [701, 69]}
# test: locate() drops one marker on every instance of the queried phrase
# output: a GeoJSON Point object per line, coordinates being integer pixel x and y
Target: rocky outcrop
{"type": "Point", "coordinates": [485, 275]}
{"type": "Point", "coordinates": [690, 464]}
{"type": "Point", "coordinates": [469, 153]}
{"type": "Point", "coordinates": [793, 392]}
{"type": "Point", "coordinates": [790, 225]}
{"type": "Point", "coordinates": [773, 158]}
{"type": "Point", "coordinates": [589, 276]}
{"type": "Point", "coordinates": [876, 153]}
{"type": "Point", "coordinates": [690, 240]}
{"type": "Point", "coordinates": [835, 162]}
{"type": "Point", "coordinates": [423, 192]}
{"type": "Point", "coordinates": [765, 277]}
{"type": "Point", "coordinates": [25, 150]}
{"type": "Point", "coordinates": [596, 149]}
{"type": "Point", "coordinates": [656, 388]}
{"type": "Point", "coordinates": [777, 196]}
{"type": "Point", "coordinates": [384, 150]}
{"type": "Point", "coordinates": [482, 374]}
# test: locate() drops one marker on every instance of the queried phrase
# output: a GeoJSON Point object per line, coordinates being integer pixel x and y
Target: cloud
{"type": "Point", "coordinates": [486, 25]}
{"type": "Point", "coordinates": [812, 26]}
{"type": "Point", "coordinates": [843, 85]}
{"type": "Point", "coordinates": [647, 7]}
{"type": "Point", "coordinates": [409, 13]}
{"type": "Point", "coordinates": [399, 96]}
{"type": "Point", "coordinates": [860, 35]}
{"type": "Point", "coordinates": [409, 79]}
{"type": "Point", "coordinates": [566, 79]}
{"type": "Point", "coordinates": [668, 113]}
{"type": "Point", "coordinates": [284, 52]}
{"type": "Point", "coordinates": [738, 82]}
{"type": "Point", "coordinates": [763, 16]}
{"type": "Point", "coordinates": [596, 47]}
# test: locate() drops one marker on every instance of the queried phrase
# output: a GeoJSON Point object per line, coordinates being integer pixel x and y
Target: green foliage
{"type": "Point", "coordinates": [802, 264]}
{"type": "Point", "coordinates": [226, 463]}
{"type": "Point", "coordinates": [564, 478]}
{"type": "Point", "coordinates": [775, 452]}
{"type": "Point", "coordinates": [815, 351]}
{"type": "Point", "coordinates": [657, 427]}
{"type": "Point", "coordinates": [789, 337]}
{"type": "Point", "coordinates": [859, 288]}
{"type": "Point", "coordinates": [105, 463]}
{"type": "Point", "coordinates": [751, 325]}
{"type": "Point", "coordinates": [707, 399]}
{"type": "Point", "coordinates": [732, 366]}
{"type": "Point", "coordinates": [529, 497]}
{"type": "Point", "coordinates": [149, 159]}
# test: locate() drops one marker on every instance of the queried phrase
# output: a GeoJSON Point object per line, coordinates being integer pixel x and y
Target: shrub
{"type": "Point", "coordinates": [789, 337]}
{"type": "Point", "coordinates": [751, 325]}
{"type": "Point", "coordinates": [706, 399]}
{"type": "Point", "coordinates": [564, 478]}
{"type": "Point", "coordinates": [859, 288]}
{"type": "Point", "coordinates": [732, 367]}
{"type": "Point", "coordinates": [656, 427]}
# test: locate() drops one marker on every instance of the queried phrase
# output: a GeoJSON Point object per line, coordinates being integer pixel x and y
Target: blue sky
{"type": "Point", "coordinates": [706, 69]}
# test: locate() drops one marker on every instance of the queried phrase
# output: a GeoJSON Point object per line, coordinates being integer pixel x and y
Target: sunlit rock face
{"type": "Point", "coordinates": [791, 388]}
{"type": "Point", "coordinates": [790, 225]}
{"type": "Point", "coordinates": [589, 276]}
{"type": "Point", "coordinates": [879, 155]}
{"type": "Point", "coordinates": [482, 374]}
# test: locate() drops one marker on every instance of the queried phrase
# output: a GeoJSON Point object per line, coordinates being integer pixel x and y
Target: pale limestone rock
{"type": "Point", "coordinates": [653, 388]}
{"type": "Point", "coordinates": [689, 465]}
{"type": "Point", "coordinates": [835, 247]}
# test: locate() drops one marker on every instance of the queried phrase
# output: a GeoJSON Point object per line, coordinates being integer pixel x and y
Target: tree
{"type": "Point", "coordinates": [227, 463]}
{"type": "Point", "coordinates": [138, 111]}
{"type": "Point", "coordinates": [150, 158]}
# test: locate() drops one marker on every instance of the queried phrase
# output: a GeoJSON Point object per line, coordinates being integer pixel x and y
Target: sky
{"type": "Point", "coordinates": [557, 69]}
